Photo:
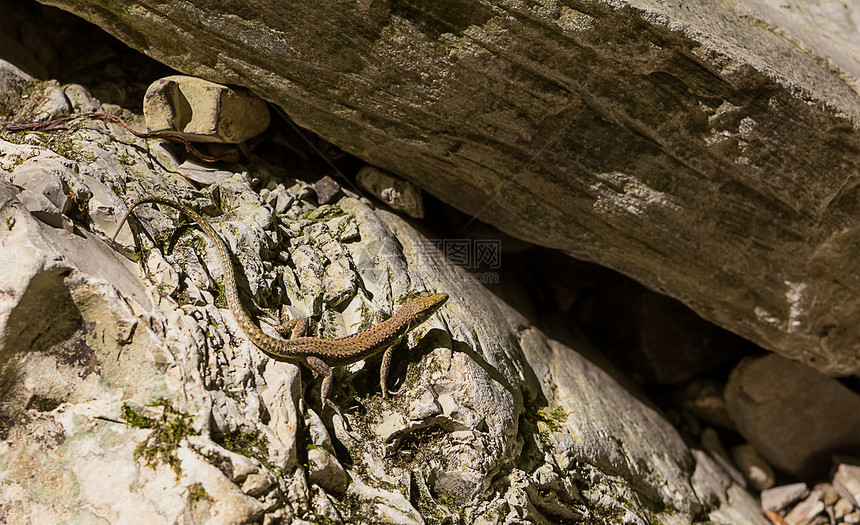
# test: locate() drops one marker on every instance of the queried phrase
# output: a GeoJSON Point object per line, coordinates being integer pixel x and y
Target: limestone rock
{"type": "Point", "coordinates": [779, 498]}
{"type": "Point", "coordinates": [847, 483]}
{"type": "Point", "coordinates": [794, 416]}
{"type": "Point", "coordinates": [203, 111]}
{"type": "Point", "coordinates": [756, 471]}
{"type": "Point", "coordinates": [397, 193]}
{"type": "Point", "coordinates": [706, 151]}
{"type": "Point", "coordinates": [806, 510]}
{"type": "Point", "coordinates": [704, 398]}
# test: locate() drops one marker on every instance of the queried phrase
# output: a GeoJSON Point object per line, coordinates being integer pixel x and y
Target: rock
{"type": "Point", "coordinates": [203, 175]}
{"type": "Point", "coordinates": [779, 498]}
{"type": "Point", "coordinates": [203, 111]}
{"type": "Point", "coordinates": [714, 487]}
{"type": "Point", "coordinates": [794, 416]}
{"type": "Point", "coordinates": [704, 398]}
{"type": "Point", "coordinates": [846, 481]}
{"type": "Point", "coordinates": [12, 84]}
{"type": "Point", "coordinates": [42, 181]}
{"type": "Point", "coordinates": [43, 209]}
{"type": "Point", "coordinates": [326, 471]}
{"type": "Point", "coordinates": [660, 152]}
{"type": "Point", "coordinates": [804, 512]}
{"type": "Point", "coordinates": [829, 494]}
{"type": "Point", "coordinates": [756, 471]}
{"type": "Point", "coordinates": [397, 193]}
{"type": "Point", "coordinates": [841, 508]}
{"type": "Point", "coordinates": [711, 443]}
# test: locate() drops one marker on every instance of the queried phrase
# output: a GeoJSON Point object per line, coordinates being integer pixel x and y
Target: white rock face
{"type": "Point", "coordinates": [131, 395]}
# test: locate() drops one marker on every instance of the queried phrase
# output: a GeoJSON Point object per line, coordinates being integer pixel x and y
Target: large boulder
{"type": "Point", "coordinates": [708, 152]}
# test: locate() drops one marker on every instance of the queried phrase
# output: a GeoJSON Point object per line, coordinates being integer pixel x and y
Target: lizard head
{"type": "Point", "coordinates": [421, 307]}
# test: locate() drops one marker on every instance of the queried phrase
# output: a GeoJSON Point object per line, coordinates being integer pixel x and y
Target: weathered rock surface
{"type": "Point", "coordinates": [707, 151]}
{"type": "Point", "coordinates": [794, 416]}
{"type": "Point", "coordinates": [126, 401]}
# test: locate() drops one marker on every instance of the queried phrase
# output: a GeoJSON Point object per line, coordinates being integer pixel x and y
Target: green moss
{"type": "Point", "coordinates": [126, 160]}
{"type": "Point", "coordinates": [60, 142]}
{"type": "Point", "coordinates": [250, 444]}
{"type": "Point", "coordinates": [554, 419]}
{"type": "Point", "coordinates": [196, 493]}
{"type": "Point", "coordinates": [324, 213]}
{"type": "Point", "coordinates": [220, 295]}
{"type": "Point", "coordinates": [134, 418]}
{"type": "Point", "coordinates": [10, 222]}
{"type": "Point", "coordinates": [168, 431]}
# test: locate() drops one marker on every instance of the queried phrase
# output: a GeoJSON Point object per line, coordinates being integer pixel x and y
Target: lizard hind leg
{"type": "Point", "coordinates": [318, 365]}
{"type": "Point", "coordinates": [294, 327]}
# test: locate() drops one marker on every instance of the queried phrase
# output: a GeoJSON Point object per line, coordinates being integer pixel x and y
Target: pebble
{"type": "Point", "coordinates": [779, 498]}
{"type": "Point", "coordinates": [806, 510]}
{"type": "Point", "coordinates": [755, 470]}
{"type": "Point", "coordinates": [847, 482]}
{"type": "Point", "coordinates": [842, 508]}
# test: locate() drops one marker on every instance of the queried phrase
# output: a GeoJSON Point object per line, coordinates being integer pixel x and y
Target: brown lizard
{"type": "Point", "coordinates": [315, 353]}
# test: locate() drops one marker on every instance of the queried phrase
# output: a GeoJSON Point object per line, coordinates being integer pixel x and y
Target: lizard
{"type": "Point", "coordinates": [318, 354]}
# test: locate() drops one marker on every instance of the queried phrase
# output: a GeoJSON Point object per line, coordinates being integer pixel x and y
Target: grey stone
{"type": "Point", "coordinates": [779, 498]}
{"type": "Point", "coordinates": [704, 398]}
{"type": "Point", "coordinates": [805, 511]}
{"type": "Point", "coordinates": [794, 416]}
{"type": "Point", "coordinates": [670, 141]}
{"type": "Point", "coordinates": [841, 508]}
{"type": "Point", "coordinates": [204, 111]}
{"type": "Point", "coordinates": [203, 175]}
{"type": "Point", "coordinates": [397, 193]}
{"type": "Point", "coordinates": [846, 481]}
{"type": "Point", "coordinates": [43, 209]}
{"type": "Point", "coordinates": [756, 471]}
{"type": "Point", "coordinates": [37, 179]}
{"type": "Point", "coordinates": [711, 443]}
{"type": "Point", "coordinates": [325, 470]}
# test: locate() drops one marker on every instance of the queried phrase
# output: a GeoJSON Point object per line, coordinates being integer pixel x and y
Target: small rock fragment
{"type": "Point", "coordinates": [397, 193]}
{"type": "Point", "coordinates": [806, 510]}
{"type": "Point", "coordinates": [326, 189]}
{"type": "Point", "coordinates": [704, 398]}
{"type": "Point", "coordinates": [203, 175]}
{"type": "Point", "coordinates": [779, 498]}
{"type": "Point", "coordinates": [846, 481]}
{"type": "Point", "coordinates": [40, 179]}
{"type": "Point", "coordinates": [842, 508]}
{"type": "Point", "coordinates": [757, 472]}
{"type": "Point", "coordinates": [830, 496]}
{"type": "Point", "coordinates": [325, 470]}
{"type": "Point", "coordinates": [711, 444]}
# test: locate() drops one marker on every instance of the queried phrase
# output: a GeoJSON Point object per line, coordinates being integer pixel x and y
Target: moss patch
{"type": "Point", "coordinates": [168, 431]}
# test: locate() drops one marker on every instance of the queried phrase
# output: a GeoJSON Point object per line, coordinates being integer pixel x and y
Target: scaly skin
{"type": "Point", "coordinates": [315, 353]}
